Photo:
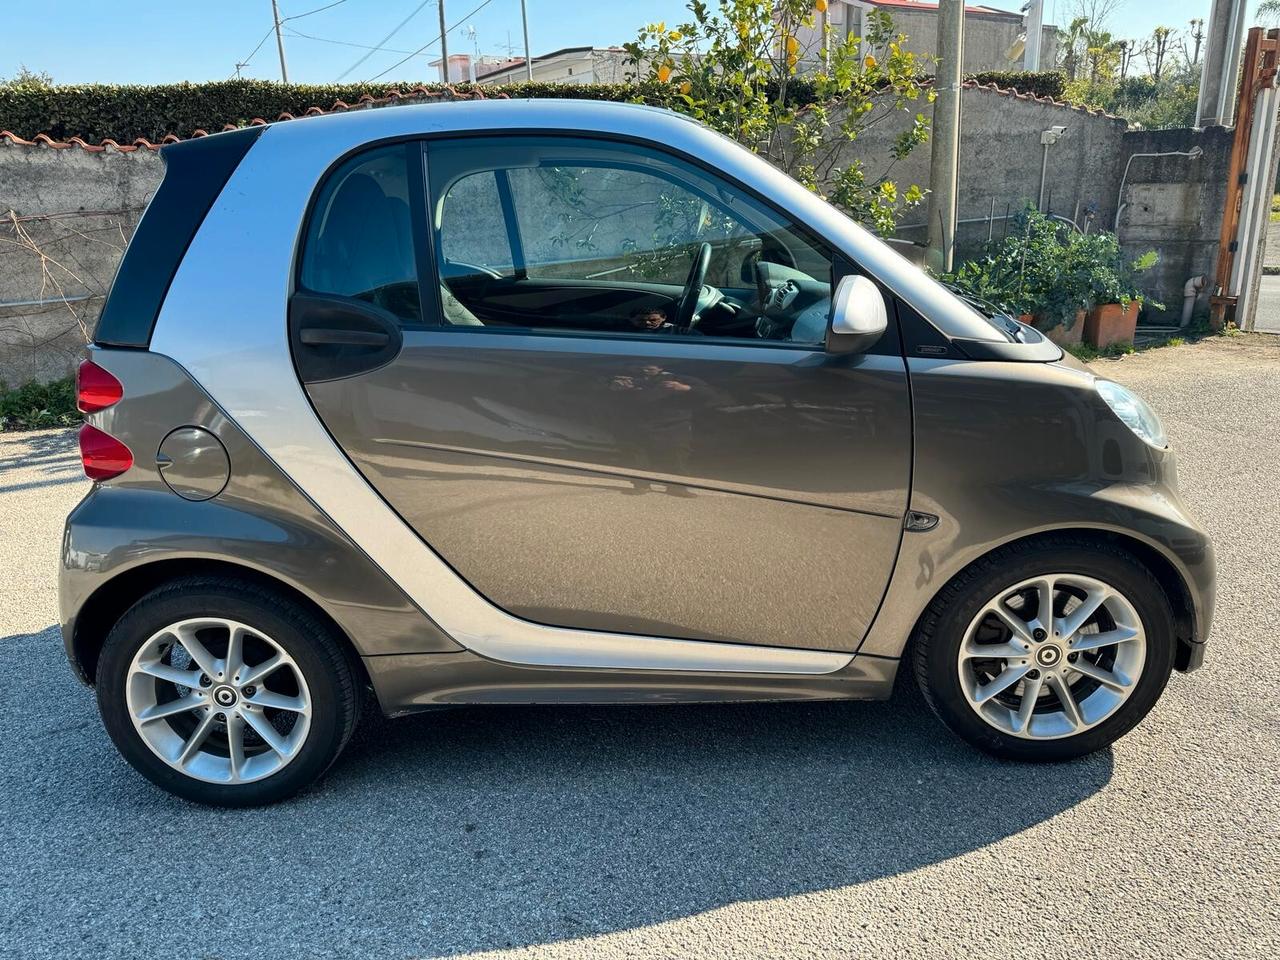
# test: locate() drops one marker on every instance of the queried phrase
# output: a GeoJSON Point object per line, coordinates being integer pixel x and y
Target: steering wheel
{"type": "Point", "coordinates": [687, 306]}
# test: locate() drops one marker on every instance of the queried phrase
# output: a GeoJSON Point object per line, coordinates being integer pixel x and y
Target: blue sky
{"type": "Point", "coordinates": [156, 41]}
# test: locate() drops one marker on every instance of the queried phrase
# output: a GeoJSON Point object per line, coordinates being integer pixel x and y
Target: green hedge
{"type": "Point", "coordinates": [124, 113]}
{"type": "Point", "coordinates": [39, 405]}
{"type": "Point", "coordinates": [1049, 84]}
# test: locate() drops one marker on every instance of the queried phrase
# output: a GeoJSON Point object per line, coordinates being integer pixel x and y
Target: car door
{"type": "Point", "coordinates": [529, 406]}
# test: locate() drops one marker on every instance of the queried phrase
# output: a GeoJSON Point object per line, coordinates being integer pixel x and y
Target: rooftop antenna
{"type": "Point", "coordinates": [475, 47]}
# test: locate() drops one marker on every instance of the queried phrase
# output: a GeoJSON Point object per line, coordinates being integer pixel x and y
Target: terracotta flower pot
{"type": "Point", "coordinates": [1066, 335]}
{"type": "Point", "coordinates": [1111, 323]}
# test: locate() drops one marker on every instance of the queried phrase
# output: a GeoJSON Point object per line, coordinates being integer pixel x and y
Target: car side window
{"type": "Point", "coordinates": [568, 235]}
{"type": "Point", "coordinates": [359, 239]}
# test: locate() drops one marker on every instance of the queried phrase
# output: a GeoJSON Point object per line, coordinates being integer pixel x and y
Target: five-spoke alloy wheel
{"type": "Point", "coordinates": [226, 692]}
{"type": "Point", "coordinates": [1046, 650]}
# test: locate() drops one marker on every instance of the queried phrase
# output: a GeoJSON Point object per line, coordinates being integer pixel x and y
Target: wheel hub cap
{"type": "Point", "coordinates": [225, 696]}
{"type": "Point", "coordinates": [1048, 656]}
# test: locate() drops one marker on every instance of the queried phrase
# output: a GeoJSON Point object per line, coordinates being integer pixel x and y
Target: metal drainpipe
{"type": "Point", "coordinates": [1047, 138]}
{"type": "Point", "coordinates": [1044, 175]}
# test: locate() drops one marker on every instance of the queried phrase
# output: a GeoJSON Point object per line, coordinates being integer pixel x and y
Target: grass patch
{"type": "Point", "coordinates": [1275, 208]}
{"type": "Point", "coordinates": [38, 406]}
{"type": "Point", "coordinates": [1198, 330]}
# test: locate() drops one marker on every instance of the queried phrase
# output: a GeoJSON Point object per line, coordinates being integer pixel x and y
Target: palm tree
{"type": "Point", "coordinates": [1269, 10]}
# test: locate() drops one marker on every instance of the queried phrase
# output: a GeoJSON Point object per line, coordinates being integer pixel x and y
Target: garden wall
{"type": "Point", "coordinates": [1173, 205]}
{"type": "Point", "coordinates": [65, 216]}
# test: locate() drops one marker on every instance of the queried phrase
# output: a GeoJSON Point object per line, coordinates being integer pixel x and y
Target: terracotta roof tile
{"type": "Point", "coordinates": [1048, 101]}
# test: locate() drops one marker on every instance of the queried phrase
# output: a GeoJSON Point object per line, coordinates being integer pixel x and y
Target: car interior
{"type": "Point", "coordinates": [571, 236]}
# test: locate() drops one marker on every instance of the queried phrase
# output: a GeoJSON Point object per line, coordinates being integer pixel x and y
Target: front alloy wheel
{"type": "Point", "coordinates": [1046, 650]}
{"type": "Point", "coordinates": [1052, 656]}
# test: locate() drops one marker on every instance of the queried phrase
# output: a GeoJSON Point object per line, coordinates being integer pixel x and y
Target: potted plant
{"type": "Point", "coordinates": [1114, 296]}
{"type": "Point", "coordinates": [1071, 285]}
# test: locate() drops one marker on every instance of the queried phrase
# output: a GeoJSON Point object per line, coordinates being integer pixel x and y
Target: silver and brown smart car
{"type": "Point", "coordinates": [549, 402]}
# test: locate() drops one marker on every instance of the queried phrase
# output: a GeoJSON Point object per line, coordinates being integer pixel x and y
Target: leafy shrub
{"type": "Point", "coordinates": [37, 406]}
{"type": "Point", "coordinates": [1144, 101]}
{"type": "Point", "coordinates": [99, 111]}
{"type": "Point", "coordinates": [1050, 271]}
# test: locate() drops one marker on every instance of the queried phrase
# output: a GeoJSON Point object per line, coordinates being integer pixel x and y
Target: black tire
{"type": "Point", "coordinates": [942, 628]}
{"type": "Point", "coordinates": [311, 642]}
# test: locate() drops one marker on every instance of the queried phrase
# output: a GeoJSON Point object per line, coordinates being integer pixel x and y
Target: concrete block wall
{"type": "Point", "coordinates": [1171, 204]}
{"type": "Point", "coordinates": [65, 217]}
{"type": "Point", "coordinates": [1175, 205]}
{"type": "Point", "coordinates": [987, 37]}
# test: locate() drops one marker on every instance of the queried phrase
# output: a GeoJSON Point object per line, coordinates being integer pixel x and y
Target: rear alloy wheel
{"type": "Point", "coordinates": [1046, 651]}
{"type": "Point", "coordinates": [218, 700]}
{"type": "Point", "coordinates": [225, 692]}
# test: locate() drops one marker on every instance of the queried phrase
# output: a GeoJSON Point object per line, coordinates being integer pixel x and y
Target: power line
{"type": "Point", "coordinates": [252, 53]}
{"type": "Point", "coordinates": [398, 28]}
{"type": "Point", "coordinates": [327, 6]}
{"type": "Point", "coordinates": [294, 32]}
{"type": "Point", "coordinates": [425, 45]}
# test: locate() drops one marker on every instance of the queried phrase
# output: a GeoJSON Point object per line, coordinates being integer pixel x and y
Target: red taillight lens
{"type": "Point", "coordinates": [102, 454]}
{"type": "Point", "coordinates": [96, 389]}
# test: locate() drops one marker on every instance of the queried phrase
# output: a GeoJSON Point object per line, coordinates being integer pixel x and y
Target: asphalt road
{"type": "Point", "coordinates": [787, 831]}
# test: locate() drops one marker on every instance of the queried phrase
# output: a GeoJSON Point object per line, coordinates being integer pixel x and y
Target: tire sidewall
{"type": "Point", "coordinates": [941, 678]}
{"type": "Point", "coordinates": [286, 627]}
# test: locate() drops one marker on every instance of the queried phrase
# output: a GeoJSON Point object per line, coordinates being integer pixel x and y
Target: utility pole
{"type": "Point", "coordinates": [275, 15]}
{"type": "Point", "coordinates": [1035, 33]}
{"type": "Point", "coordinates": [444, 46]}
{"type": "Point", "coordinates": [1221, 64]}
{"type": "Point", "coordinates": [944, 166]}
{"type": "Point", "coordinates": [524, 19]}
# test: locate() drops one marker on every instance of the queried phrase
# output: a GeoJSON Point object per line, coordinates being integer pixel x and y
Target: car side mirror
{"type": "Point", "coordinates": [859, 316]}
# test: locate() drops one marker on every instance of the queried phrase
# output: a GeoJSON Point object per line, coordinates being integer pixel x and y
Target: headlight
{"type": "Point", "coordinates": [1133, 410]}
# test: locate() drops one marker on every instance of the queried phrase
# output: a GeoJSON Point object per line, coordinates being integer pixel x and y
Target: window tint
{"type": "Point", "coordinates": [360, 239]}
{"type": "Point", "coordinates": [581, 236]}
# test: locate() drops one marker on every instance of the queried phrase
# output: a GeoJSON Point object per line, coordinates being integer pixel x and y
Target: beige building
{"type": "Point", "coordinates": [994, 39]}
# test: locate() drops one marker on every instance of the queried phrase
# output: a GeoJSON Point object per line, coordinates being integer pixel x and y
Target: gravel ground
{"type": "Point", "coordinates": [808, 830]}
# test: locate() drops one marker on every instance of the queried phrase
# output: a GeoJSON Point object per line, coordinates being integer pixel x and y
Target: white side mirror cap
{"type": "Point", "coordinates": [859, 315]}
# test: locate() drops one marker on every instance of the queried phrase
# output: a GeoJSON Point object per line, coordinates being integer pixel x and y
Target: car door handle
{"type": "Point", "coordinates": [332, 337]}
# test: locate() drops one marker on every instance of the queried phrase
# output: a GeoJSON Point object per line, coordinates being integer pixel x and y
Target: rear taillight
{"type": "Point", "coordinates": [96, 389]}
{"type": "Point", "coordinates": [102, 455]}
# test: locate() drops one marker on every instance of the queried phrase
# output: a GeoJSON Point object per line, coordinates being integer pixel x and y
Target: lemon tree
{"type": "Point", "coordinates": [772, 75]}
